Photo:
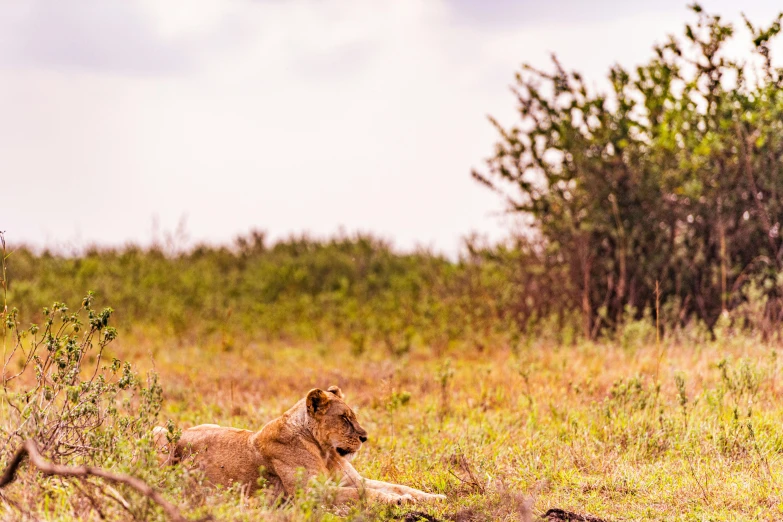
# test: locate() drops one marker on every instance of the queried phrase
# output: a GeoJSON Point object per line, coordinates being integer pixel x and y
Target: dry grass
{"type": "Point", "coordinates": [646, 433]}
{"type": "Point", "coordinates": [622, 431]}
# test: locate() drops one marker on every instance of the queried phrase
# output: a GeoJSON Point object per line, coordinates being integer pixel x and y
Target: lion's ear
{"type": "Point", "coordinates": [316, 401]}
{"type": "Point", "coordinates": [336, 390]}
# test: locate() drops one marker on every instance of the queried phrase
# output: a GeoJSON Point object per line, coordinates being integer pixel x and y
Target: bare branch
{"type": "Point", "coordinates": [30, 449]}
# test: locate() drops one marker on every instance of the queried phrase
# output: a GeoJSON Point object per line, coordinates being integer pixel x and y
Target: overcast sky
{"type": "Point", "coordinates": [288, 116]}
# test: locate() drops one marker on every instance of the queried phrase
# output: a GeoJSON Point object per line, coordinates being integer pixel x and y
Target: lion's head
{"type": "Point", "coordinates": [334, 422]}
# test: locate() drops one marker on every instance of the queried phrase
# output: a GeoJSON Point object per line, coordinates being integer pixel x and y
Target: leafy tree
{"type": "Point", "coordinates": [673, 177]}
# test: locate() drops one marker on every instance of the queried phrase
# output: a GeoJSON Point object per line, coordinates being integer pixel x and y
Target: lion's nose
{"type": "Point", "coordinates": [363, 438]}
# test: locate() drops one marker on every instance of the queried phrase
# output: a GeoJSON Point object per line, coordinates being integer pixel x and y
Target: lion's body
{"type": "Point", "coordinates": [226, 455]}
{"type": "Point", "coordinates": [320, 434]}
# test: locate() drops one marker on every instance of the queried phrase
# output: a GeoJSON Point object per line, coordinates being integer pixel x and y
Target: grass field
{"type": "Point", "coordinates": [457, 398]}
{"type": "Point", "coordinates": [677, 431]}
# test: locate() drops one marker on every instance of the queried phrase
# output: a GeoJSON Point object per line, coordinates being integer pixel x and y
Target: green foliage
{"type": "Point", "coordinates": [356, 289]}
{"type": "Point", "coordinates": [59, 391]}
{"type": "Point", "coordinates": [675, 177]}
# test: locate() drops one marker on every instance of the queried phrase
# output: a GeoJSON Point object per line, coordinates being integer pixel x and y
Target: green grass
{"type": "Point", "coordinates": [458, 396]}
{"type": "Point", "coordinates": [346, 288]}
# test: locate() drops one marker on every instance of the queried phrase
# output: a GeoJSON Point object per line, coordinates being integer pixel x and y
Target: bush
{"type": "Point", "coordinates": [80, 409]}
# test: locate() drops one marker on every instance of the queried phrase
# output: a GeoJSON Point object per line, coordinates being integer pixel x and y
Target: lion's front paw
{"type": "Point", "coordinates": [399, 500]}
{"type": "Point", "coordinates": [435, 496]}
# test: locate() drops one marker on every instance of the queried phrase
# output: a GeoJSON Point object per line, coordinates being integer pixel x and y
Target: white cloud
{"type": "Point", "coordinates": [291, 116]}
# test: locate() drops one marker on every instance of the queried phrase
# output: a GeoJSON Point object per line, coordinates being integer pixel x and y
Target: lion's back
{"type": "Point", "coordinates": [224, 454]}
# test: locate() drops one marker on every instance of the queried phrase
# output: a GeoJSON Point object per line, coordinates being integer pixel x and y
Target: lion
{"type": "Point", "coordinates": [319, 435]}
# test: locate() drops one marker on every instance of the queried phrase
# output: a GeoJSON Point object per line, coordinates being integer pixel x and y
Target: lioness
{"type": "Point", "coordinates": [320, 435]}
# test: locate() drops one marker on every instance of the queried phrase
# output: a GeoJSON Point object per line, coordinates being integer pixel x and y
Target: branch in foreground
{"type": "Point", "coordinates": [30, 449]}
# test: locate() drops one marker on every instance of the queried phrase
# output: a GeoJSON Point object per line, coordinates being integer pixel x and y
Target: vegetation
{"type": "Point", "coordinates": [621, 360]}
{"type": "Point", "coordinates": [354, 288]}
{"type": "Point", "coordinates": [621, 430]}
{"type": "Point", "coordinates": [673, 179]}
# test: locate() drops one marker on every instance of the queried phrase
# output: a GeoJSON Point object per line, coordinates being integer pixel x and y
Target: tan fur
{"type": "Point", "coordinates": [319, 435]}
